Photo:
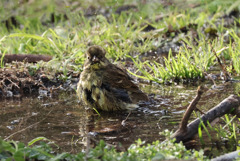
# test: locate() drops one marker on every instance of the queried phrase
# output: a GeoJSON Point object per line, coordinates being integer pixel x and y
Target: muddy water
{"type": "Point", "coordinates": [66, 122]}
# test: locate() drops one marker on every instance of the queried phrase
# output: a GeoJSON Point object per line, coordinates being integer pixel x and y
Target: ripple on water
{"type": "Point", "coordinates": [66, 122]}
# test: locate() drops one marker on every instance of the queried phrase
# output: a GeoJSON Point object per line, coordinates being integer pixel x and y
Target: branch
{"type": "Point", "coordinates": [190, 108]}
{"type": "Point", "coordinates": [30, 58]}
{"type": "Point", "coordinates": [226, 106]}
{"type": "Point", "coordinates": [229, 156]}
{"type": "Point", "coordinates": [227, 76]}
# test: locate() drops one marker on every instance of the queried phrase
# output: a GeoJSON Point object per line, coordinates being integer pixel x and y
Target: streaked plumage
{"type": "Point", "coordinates": [104, 86]}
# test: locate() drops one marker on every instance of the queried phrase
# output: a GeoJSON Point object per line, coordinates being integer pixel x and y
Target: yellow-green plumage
{"type": "Point", "coordinates": [104, 86]}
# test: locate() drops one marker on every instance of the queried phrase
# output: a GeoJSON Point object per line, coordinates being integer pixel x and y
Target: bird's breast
{"type": "Point", "coordinates": [91, 92]}
{"type": "Point", "coordinates": [89, 79]}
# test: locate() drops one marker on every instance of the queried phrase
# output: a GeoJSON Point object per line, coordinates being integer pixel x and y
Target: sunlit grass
{"type": "Point", "coordinates": [123, 36]}
{"type": "Point", "coordinates": [234, 53]}
{"type": "Point", "coordinates": [190, 63]}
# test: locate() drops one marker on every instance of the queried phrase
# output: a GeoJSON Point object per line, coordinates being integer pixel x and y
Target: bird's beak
{"type": "Point", "coordinates": [95, 59]}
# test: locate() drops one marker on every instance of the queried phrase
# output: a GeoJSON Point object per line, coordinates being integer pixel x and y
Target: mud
{"type": "Point", "coordinates": [22, 79]}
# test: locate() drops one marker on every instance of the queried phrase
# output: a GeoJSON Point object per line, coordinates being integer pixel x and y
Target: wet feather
{"type": "Point", "coordinates": [105, 86]}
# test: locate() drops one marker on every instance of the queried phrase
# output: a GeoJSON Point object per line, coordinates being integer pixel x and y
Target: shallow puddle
{"type": "Point", "coordinates": [66, 122]}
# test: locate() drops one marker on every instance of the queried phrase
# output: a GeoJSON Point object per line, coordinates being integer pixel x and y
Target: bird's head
{"type": "Point", "coordinates": [96, 57]}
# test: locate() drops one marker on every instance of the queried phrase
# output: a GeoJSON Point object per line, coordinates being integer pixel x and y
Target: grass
{"type": "Point", "coordinates": [137, 151]}
{"type": "Point", "coordinates": [189, 64]}
{"type": "Point", "coordinates": [122, 36]}
{"type": "Point", "coordinates": [227, 132]}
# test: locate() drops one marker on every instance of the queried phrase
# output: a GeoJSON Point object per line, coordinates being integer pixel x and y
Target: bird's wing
{"type": "Point", "coordinates": [117, 78]}
{"type": "Point", "coordinates": [120, 84]}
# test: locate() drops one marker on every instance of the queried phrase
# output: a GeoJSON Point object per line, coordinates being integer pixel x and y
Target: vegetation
{"type": "Point", "coordinates": [156, 151]}
{"type": "Point", "coordinates": [65, 33]}
{"type": "Point", "coordinates": [193, 38]}
{"type": "Point", "coordinates": [39, 150]}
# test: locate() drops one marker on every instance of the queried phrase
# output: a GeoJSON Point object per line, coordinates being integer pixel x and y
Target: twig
{"type": "Point", "coordinates": [27, 127]}
{"type": "Point", "coordinates": [191, 107]}
{"type": "Point", "coordinates": [223, 67]}
{"type": "Point", "coordinates": [124, 121]}
{"type": "Point", "coordinates": [13, 83]}
{"type": "Point", "coordinates": [211, 78]}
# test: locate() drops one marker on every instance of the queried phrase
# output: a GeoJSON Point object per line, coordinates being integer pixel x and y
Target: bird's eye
{"type": "Point", "coordinates": [88, 57]}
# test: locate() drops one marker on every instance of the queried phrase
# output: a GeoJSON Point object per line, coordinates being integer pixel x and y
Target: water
{"type": "Point", "coordinates": [66, 122]}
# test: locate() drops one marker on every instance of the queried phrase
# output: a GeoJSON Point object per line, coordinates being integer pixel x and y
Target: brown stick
{"type": "Point", "coordinates": [25, 57]}
{"type": "Point", "coordinates": [190, 108]}
{"type": "Point", "coordinates": [227, 76]}
{"type": "Point", "coordinates": [226, 106]}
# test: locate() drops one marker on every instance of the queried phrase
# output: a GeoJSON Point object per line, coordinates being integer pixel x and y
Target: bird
{"type": "Point", "coordinates": [104, 86]}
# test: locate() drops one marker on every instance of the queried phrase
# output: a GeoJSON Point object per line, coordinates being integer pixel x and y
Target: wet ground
{"type": "Point", "coordinates": [65, 121]}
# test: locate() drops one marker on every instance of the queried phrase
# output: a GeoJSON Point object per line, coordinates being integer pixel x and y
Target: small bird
{"type": "Point", "coordinates": [104, 86]}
